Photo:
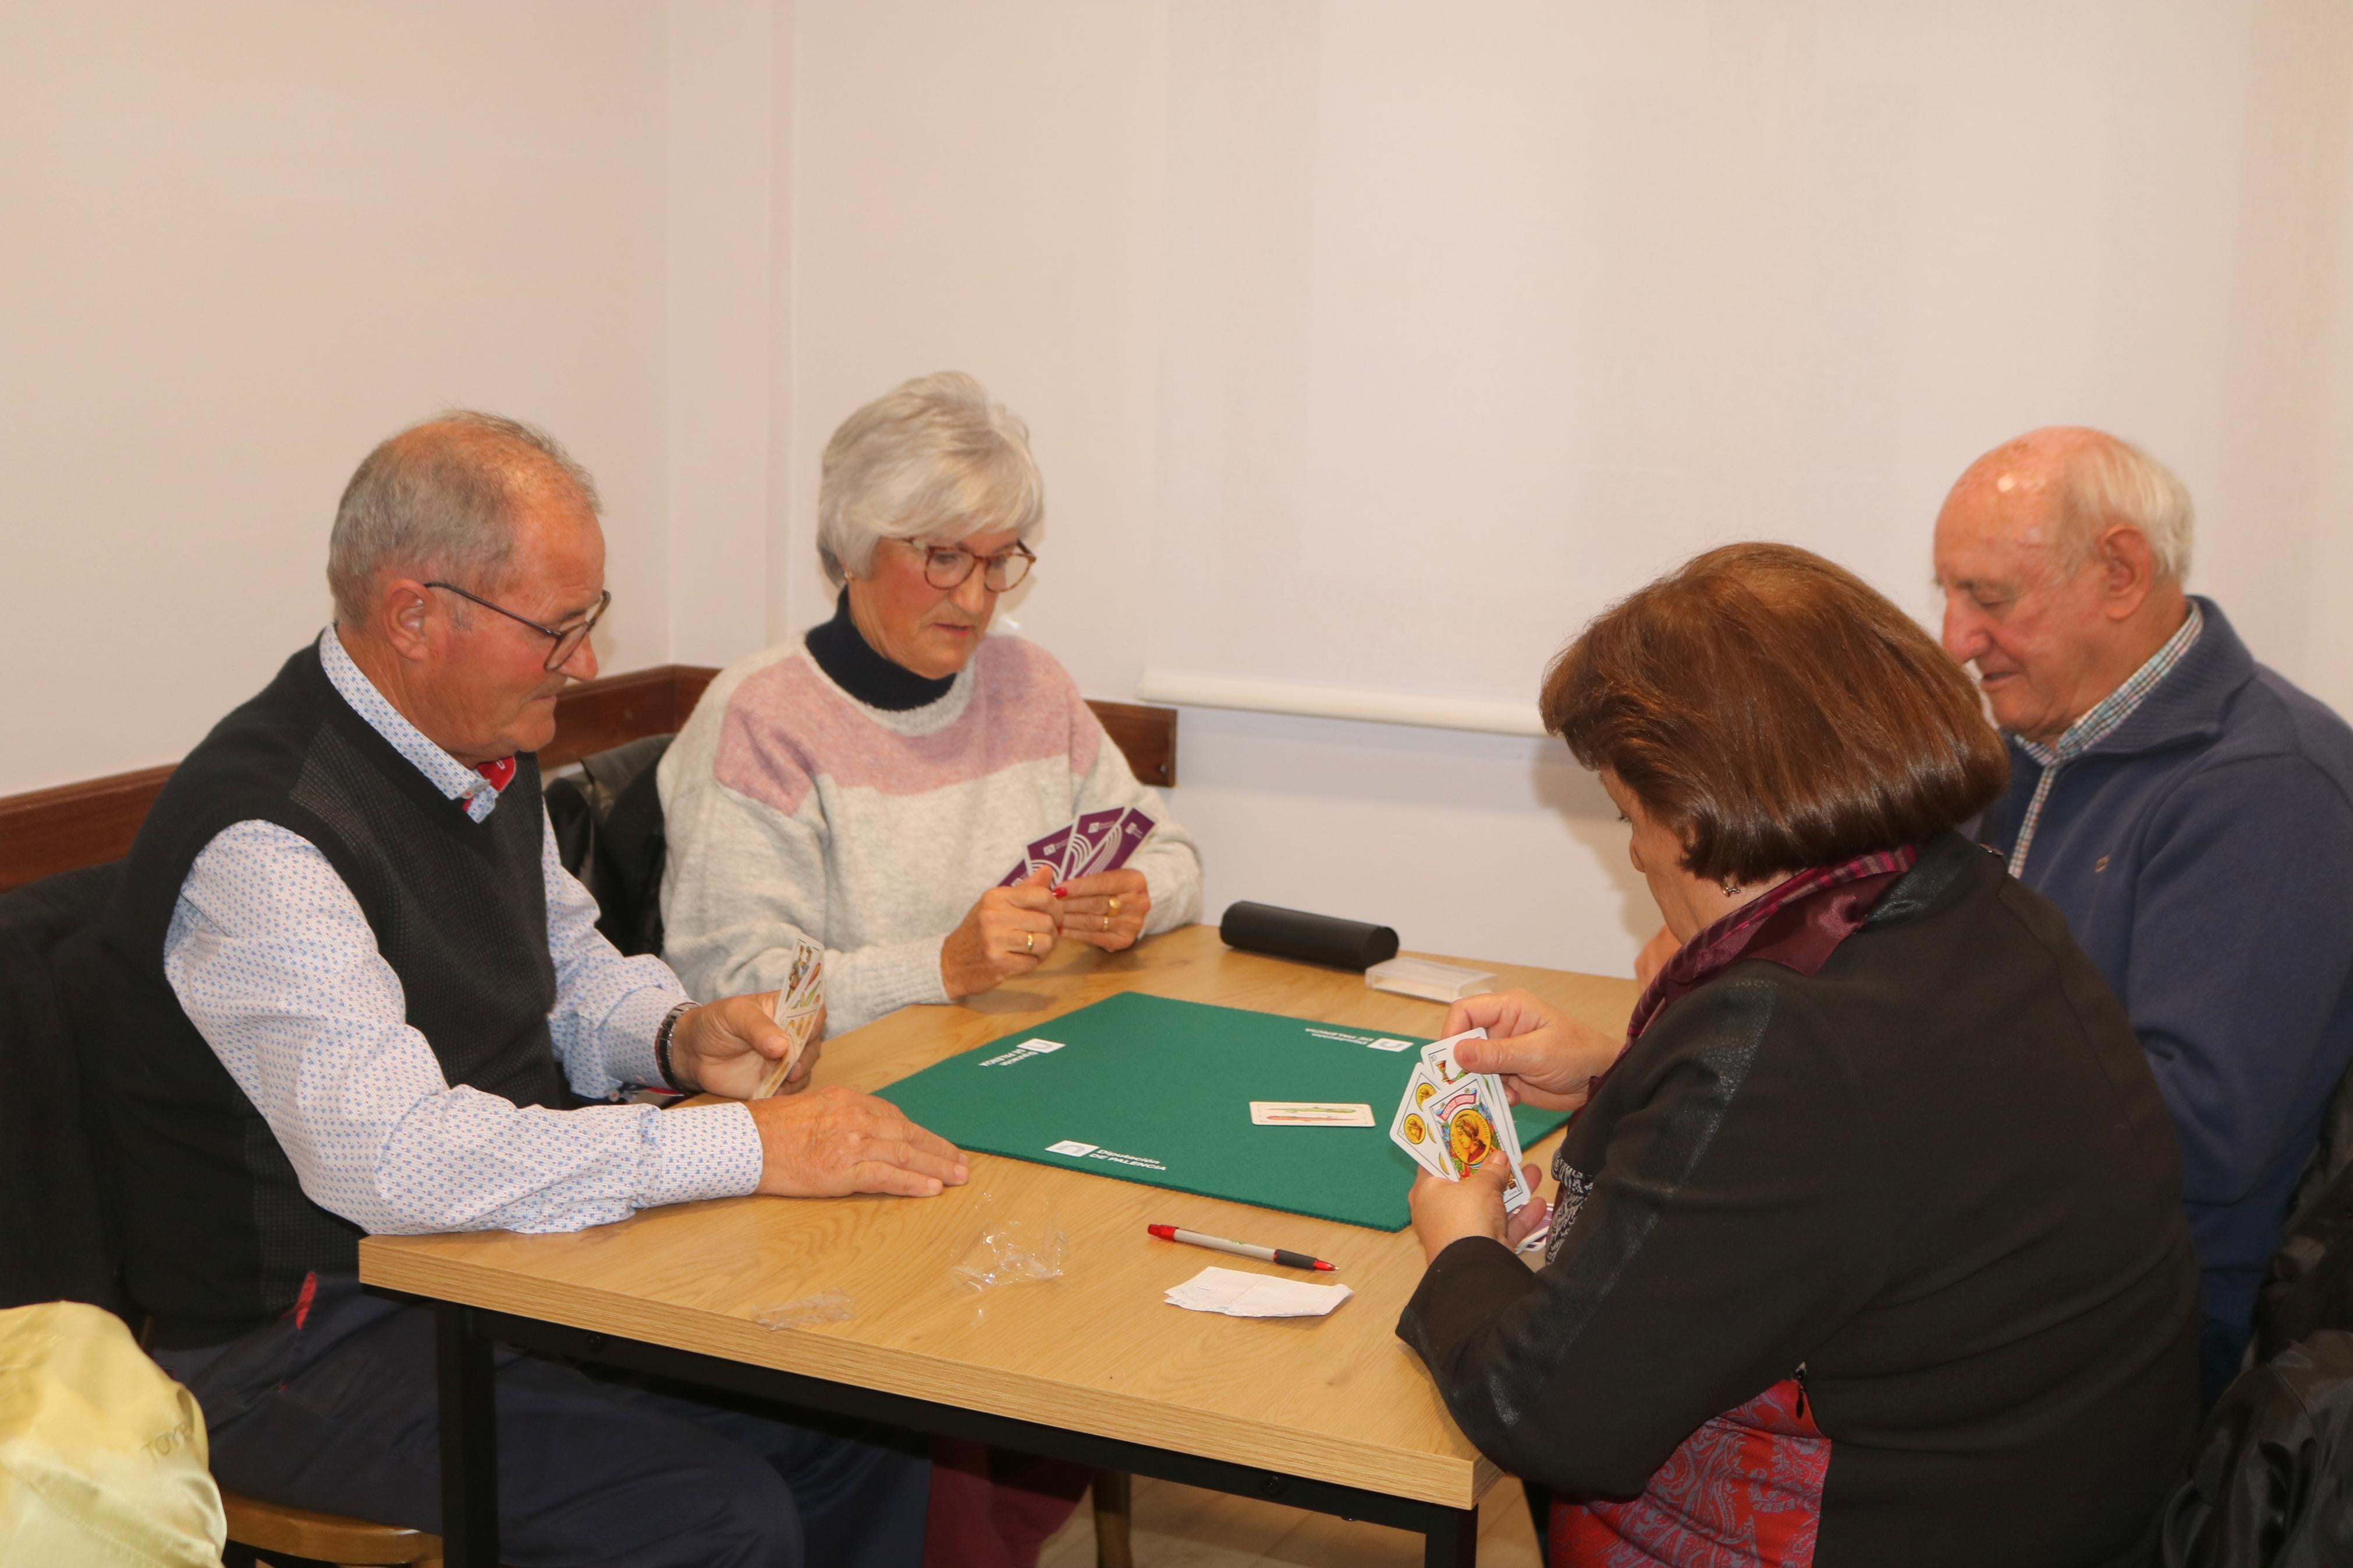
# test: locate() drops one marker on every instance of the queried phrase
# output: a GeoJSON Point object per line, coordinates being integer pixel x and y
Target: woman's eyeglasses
{"type": "Point", "coordinates": [947, 566]}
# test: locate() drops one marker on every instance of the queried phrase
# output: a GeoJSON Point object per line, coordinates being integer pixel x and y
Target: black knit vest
{"type": "Point", "coordinates": [217, 1233]}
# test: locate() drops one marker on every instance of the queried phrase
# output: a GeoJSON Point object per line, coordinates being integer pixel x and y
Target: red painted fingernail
{"type": "Point", "coordinates": [1061, 892]}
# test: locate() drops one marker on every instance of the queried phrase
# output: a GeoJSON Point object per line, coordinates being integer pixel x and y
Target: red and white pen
{"type": "Point", "coordinates": [1241, 1248]}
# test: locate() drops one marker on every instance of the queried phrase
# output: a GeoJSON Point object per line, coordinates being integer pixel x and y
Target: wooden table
{"type": "Point", "coordinates": [1331, 1414]}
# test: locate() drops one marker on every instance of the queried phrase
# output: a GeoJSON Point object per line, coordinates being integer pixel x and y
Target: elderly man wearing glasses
{"type": "Point", "coordinates": [866, 786]}
{"type": "Point", "coordinates": [347, 988]}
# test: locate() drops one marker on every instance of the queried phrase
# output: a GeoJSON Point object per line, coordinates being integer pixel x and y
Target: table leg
{"type": "Point", "coordinates": [1454, 1543]}
{"type": "Point", "coordinates": [470, 1443]}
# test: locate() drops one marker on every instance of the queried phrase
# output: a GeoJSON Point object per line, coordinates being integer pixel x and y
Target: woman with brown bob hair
{"type": "Point", "coordinates": [1867, 1246]}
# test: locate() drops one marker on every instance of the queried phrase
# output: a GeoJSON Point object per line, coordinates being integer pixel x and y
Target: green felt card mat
{"type": "Point", "coordinates": [1147, 1089]}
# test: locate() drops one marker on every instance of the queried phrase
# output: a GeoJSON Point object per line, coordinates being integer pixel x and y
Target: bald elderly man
{"type": "Point", "coordinates": [2189, 810]}
{"type": "Point", "coordinates": [347, 988]}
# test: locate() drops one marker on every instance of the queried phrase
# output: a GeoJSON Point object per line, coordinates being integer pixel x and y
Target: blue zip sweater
{"type": "Point", "coordinates": [2203, 857]}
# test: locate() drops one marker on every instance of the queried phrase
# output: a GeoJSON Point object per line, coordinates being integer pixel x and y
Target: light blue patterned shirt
{"type": "Point", "coordinates": [2101, 721]}
{"type": "Point", "coordinates": [274, 962]}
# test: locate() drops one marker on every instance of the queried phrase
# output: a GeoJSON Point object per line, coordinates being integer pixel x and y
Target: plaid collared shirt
{"type": "Point", "coordinates": [2098, 725]}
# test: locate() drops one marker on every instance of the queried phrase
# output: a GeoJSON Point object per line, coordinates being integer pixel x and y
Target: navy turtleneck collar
{"type": "Point", "coordinates": [851, 662]}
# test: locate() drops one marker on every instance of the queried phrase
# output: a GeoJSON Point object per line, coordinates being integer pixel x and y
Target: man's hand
{"type": "Point", "coordinates": [1445, 1212]}
{"type": "Point", "coordinates": [834, 1141]}
{"type": "Point", "coordinates": [1545, 1057]}
{"type": "Point", "coordinates": [1654, 955]}
{"type": "Point", "coordinates": [1009, 931]}
{"type": "Point", "coordinates": [726, 1047]}
{"type": "Point", "coordinates": [1104, 910]}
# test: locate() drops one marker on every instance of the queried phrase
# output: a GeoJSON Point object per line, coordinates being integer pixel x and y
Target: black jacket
{"type": "Point", "coordinates": [1937, 1176]}
{"type": "Point", "coordinates": [2272, 1487]}
{"type": "Point", "coordinates": [56, 1239]}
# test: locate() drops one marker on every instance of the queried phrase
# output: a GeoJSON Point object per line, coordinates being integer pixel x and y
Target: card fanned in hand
{"type": "Point", "coordinates": [1452, 1121]}
{"type": "Point", "coordinates": [799, 1000]}
{"type": "Point", "coordinates": [1097, 841]}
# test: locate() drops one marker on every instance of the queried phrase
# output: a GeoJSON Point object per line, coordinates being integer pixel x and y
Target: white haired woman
{"type": "Point", "coordinates": [868, 784]}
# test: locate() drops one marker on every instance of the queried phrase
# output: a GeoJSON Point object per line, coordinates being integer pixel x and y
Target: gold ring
{"type": "Point", "coordinates": [1106, 923]}
{"type": "Point", "coordinates": [1115, 905]}
{"type": "Point", "coordinates": [1029, 941]}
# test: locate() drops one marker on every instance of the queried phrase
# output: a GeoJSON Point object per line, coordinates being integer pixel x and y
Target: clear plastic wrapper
{"type": "Point", "coordinates": [1012, 1249]}
{"type": "Point", "coordinates": [824, 1307]}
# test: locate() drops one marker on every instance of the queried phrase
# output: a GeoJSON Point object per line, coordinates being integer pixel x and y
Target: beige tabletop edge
{"type": "Point", "coordinates": [1337, 1398]}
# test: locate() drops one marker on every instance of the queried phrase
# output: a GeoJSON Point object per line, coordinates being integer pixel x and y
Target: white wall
{"type": "Point", "coordinates": [240, 242]}
{"type": "Point", "coordinates": [980, 187]}
{"type": "Point", "coordinates": [1530, 301]}
{"type": "Point", "coordinates": [1600, 286]}
{"type": "Point", "coordinates": [728, 325]}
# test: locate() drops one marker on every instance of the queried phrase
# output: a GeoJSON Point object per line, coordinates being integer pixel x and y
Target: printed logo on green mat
{"type": "Point", "coordinates": [1079, 1151]}
{"type": "Point", "coordinates": [1378, 1042]}
{"type": "Point", "coordinates": [1023, 1052]}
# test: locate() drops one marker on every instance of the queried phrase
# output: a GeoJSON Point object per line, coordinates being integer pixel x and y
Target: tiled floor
{"type": "Point", "coordinates": [1180, 1527]}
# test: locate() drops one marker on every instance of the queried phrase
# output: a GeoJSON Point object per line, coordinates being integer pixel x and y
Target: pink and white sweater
{"type": "Point", "coordinates": [793, 808]}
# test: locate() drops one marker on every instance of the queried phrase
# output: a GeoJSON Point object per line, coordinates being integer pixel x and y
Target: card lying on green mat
{"type": "Point", "coordinates": [1156, 1091]}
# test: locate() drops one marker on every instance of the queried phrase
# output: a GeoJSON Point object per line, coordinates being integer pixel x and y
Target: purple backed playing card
{"type": "Point", "coordinates": [1049, 851]}
{"type": "Point", "coordinates": [1090, 841]}
{"type": "Point", "coordinates": [1134, 829]}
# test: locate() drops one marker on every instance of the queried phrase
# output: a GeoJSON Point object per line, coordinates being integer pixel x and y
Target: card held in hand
{"type": "Point", "coordinates": [1412, 1129]}
{"type": "Point", "coordinates": [799, 1002]}
{"type": "Point", "coordinates": [1465, 1117]}
{"type": "Point", "coordinates": [1090, 842]}
{"type": "Point", "coordinates": [1134, 828]}
{"type": "Point", "coordinates": [1097, 841]}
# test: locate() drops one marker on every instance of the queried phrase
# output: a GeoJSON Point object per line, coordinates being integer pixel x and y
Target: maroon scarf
{"type": "Point", "coordinates": [1796, 923]}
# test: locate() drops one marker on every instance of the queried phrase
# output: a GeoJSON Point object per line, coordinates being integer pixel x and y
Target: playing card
{"type": "Point", "coordinates": [1132, 830]}
{"type": "Point", "coordinates": [1458, 1123]}
{"type": "Point", "coordinates": [1492, 1128]}
{"type": "Point", "coordinates": [799, 1000]}
{"type": "Point", "coordinates": [1506, 1129]}
{"type": "Point", "coordinates": [1439, 1057]}
{"type": "Point", "coordinates": [1090, 842]}
{"type": "Point", "coordinates": [1098, 841]}
{"type": "Point", "coordinates": [1048, 850]}
{"type": "Point", "coordinates": [802, 975]}
{"type": "Point", "coordinates": [1464, 1119]}
{"type": "Point", "coordinates": [1412, 1130]}
{"type": "Point", "coordinates": [1309, 1113]}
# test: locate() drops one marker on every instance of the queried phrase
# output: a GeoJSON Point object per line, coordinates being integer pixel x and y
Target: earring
{"type": "Point", "coordinates": [1731, 887]}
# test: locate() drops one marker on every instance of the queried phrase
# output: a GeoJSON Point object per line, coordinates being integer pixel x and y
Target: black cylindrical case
{"type": "Point", "coordinates": [1311, 939]}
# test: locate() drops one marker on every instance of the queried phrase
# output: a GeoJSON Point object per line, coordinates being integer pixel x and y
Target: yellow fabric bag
{"type": "Point", "coordinates": [102, 1456]}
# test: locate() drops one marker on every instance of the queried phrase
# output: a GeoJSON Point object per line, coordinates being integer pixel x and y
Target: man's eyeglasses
{"type": "Point", "coordinates": [948, 565]}
{"type": "Point", "coordinates": [568, 637]}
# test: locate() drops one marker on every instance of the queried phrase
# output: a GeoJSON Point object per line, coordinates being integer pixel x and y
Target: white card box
{"type": "Point", "coordinates": [1428, 979]}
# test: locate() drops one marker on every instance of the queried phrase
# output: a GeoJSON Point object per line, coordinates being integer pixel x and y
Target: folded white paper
{"type": "Point", "coordinates": [1241, 1295]}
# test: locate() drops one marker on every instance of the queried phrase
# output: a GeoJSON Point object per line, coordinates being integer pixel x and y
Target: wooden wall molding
{"type": "Point", "coordinates": [612, 709]}
{"type": "Point", "coordinates": [1148, 736]}
{"type": "Point", "coordinates": [52, 830]}
{"type": "Point", "coordinates": [74, 825]}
